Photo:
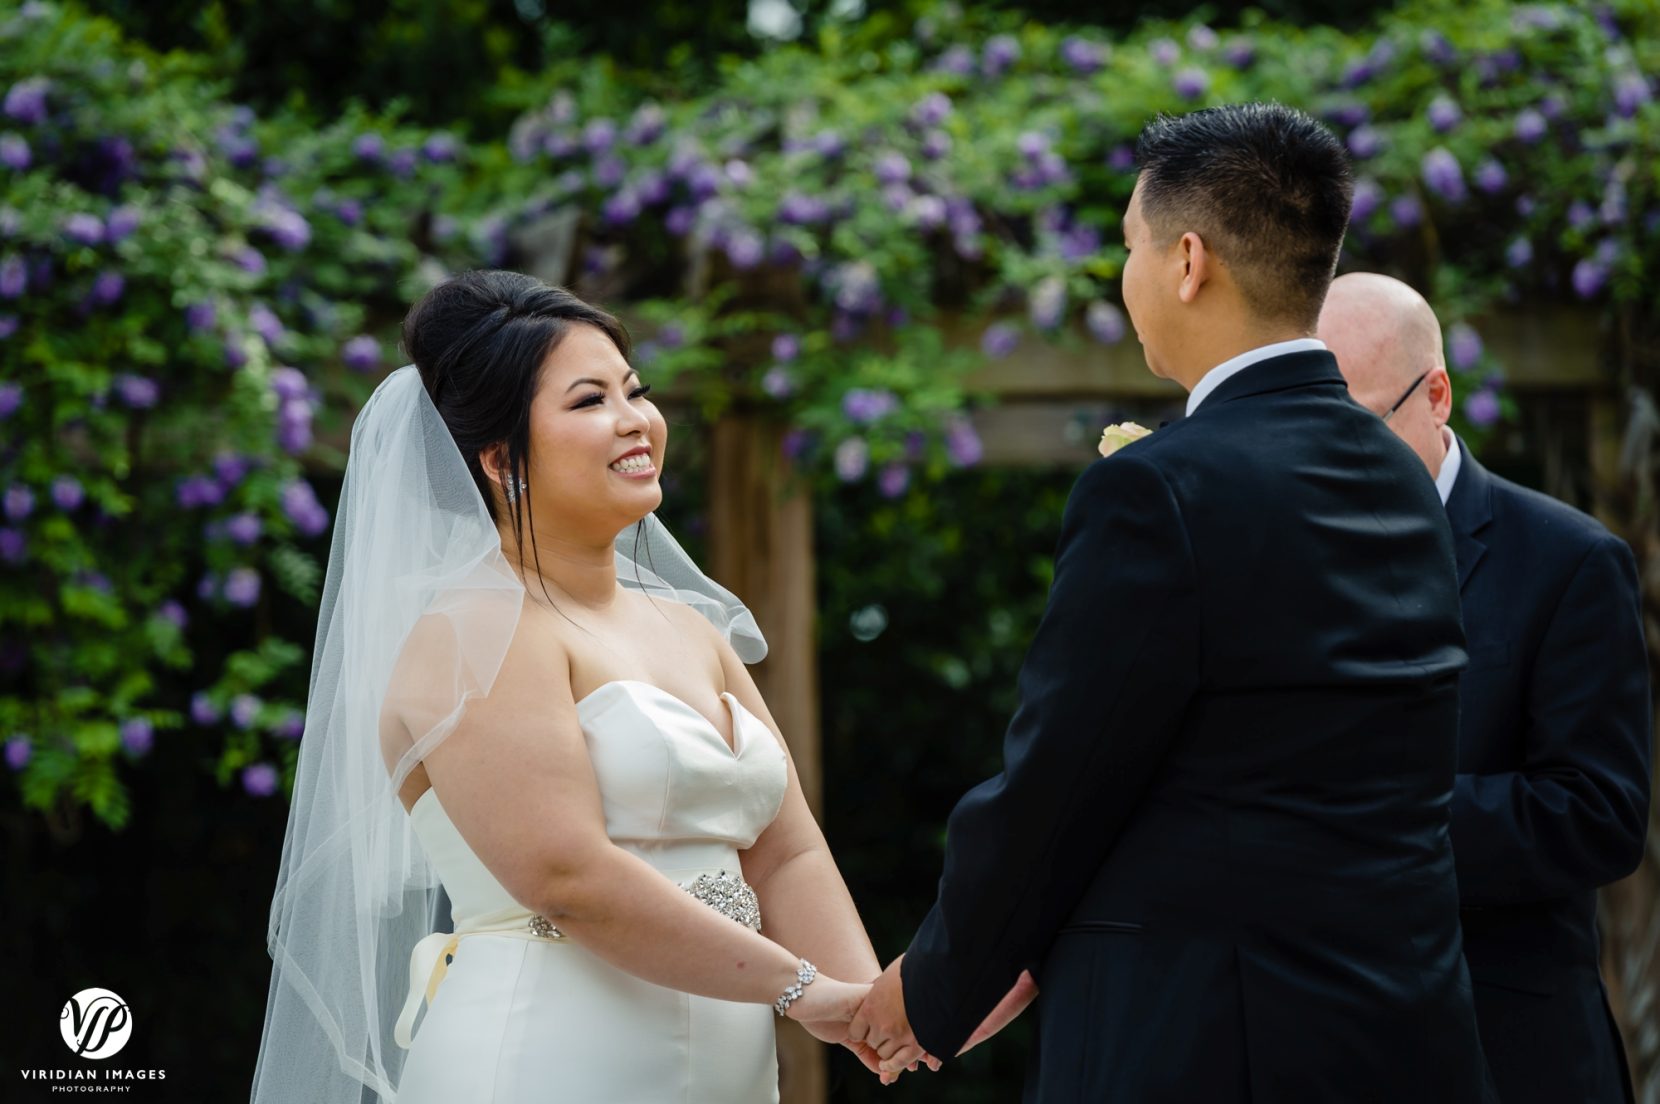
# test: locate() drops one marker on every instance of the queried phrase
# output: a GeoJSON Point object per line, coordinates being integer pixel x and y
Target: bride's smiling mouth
{"type": "Point", "coordinates": [635, 464]}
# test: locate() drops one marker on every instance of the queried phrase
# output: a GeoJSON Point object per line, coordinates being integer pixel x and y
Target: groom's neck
{"type": "Point", "coordinates": [1216, 344]}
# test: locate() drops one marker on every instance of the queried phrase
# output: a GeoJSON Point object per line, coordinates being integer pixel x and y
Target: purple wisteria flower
{"type": "Point", "coordinates": [1365, 141]}
{"type": "Point", "coordinates": [1105, 322]}
{"type": "Point", "coordinates": [1435, 46]}
{"type": "Point", "coordinates": [107, 288]}
{"type": "Point", "coordinates": [962, 443]}
{"type": "Point", "coordinates": [245, 710]}
{"type": "Point", "coordinates": [1482, 407]}
{"type": "Point", "coordinates": [932, 110]}
{"type": "Point", "coordinates": [67, 493]}
{"type": "Point", "coordinates": [369, 147]}
{"type": "Point", "coordinates": [1444, 114]}
{"type": "Point", "coordinates": [1589, 277]}
{"type": "Point", "coordinates": [1519, 253]}
{"type": "Point", "coordinates": [361, 353]}
{"type": "Point", "coordinates": [287, 227]}
{"type": "Point", "coordinates": [249, 260]}
{"type": "Point", "coordinates": [1081, 55]}
{"type": "Point", "coordinates": [137, 736]}
{"type": "Point", "coordinates": [852, 459]}
{"type": "Point", "coordinates": [863, 406]}
{"type": "Point", "coordinates": [291, 727]}
{"type": "Point", "coordinates": [266, 324]}
{"type": "Point", "coordinates": [440, 148]}
{"type": "Point", "coordinates": [1443, 175]}
{"type": "Point", "coordinates": [891, 168]}
{"type": "Point", "coordinates": [892, 480]}
{"type": "Point", "coordinates": [1191, 83]}
{"type": "Point", "coordinates": [1406, 211]}
{"type": "Point", "coordinates": [299, 503]}
{"type": "Point", "coordinates": [26, 100]}
{"type": "Point", "coordinates": [786, 347]}
{"type": "Point", "coordinates": [14, 152]}
{"type": "Point", "coordinates": [202, 709]}
{"type": "Point", "coordinates": [1240, 52]}
{"type": "Point", "coordinates": [1631, 92]}
{"type": "Point", "coordinates": [648, 124]}
{"type": "Point", "coordinates": [797, 209]}
{"type": "Point", "coordinates": [1581, 215]}
{"type": "Point", "coordinates": [1530, 126]}
{"type": "Point", "coordinates": [1202, 38]}
{"type": "Point", "coordinates": [243, 529]}
{"type": "Point", "coordinates": [18, 752]}
{"type": "Point", "coordinates": [259, 779]}
{"type": "Point", "coordinates": [1368, 197]}
{"type": "Point", "coordinates": [198, 490]}
{"type": "Point", "coordinates": [14, 547]}
{"type": "Point", "coordinates": [174, 613]}
{"type": "Point", "coordinates": [1490, 177]}
{"type": "Point", "coordinates": [122, 222]}
{"type": "Point", "coordinates": [745, 248]}
{"type": "Point", "coordinates": [137, 392]}
{"type": "Point", "coordinates": [200, 317]}
{"type": "Point", "coordinates": [19, 502]}
{"type": "Point", "coordinates": [14, 277]}
{"type": "Point", "coordinates": [999, 340]}
{"type": "Point", "coordinates": [1001, 52]}
{"type": "Point", "coordinates": [958, 60]}
{"type": "Point", "coordinates": [1464, 346]}
{"type": "Point", "coordinates": [1165, 51]}
{"type": "Point", "coordinates": [289, 384]}
{"type": "Point", "coordinates": [242, 587]}
{"type": "Point", "coordinates": [778, 383]}
{"type": "Point", "coordinates": [8, 326]}
{"type": "Point", "coordinates": [294, 426]}
{"type": "Point", "coordinates": [1046, 305]}
{"type": "Point", "coordinates": [402, 163]}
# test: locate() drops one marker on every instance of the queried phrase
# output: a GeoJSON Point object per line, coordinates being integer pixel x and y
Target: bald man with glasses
{"type": "Point", "coordinates": [1551, 798]}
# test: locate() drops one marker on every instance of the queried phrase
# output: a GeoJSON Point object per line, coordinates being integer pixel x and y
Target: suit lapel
{"type": "Point", "coordinates": [1469, 510]}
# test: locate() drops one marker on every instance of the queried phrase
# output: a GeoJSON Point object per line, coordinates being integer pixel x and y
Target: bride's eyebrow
{"type": "Point", "coordinates": [598, 383]}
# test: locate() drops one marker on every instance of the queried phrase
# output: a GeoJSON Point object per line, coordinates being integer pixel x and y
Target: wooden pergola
{"type": "Point", "coordinates": [1044, 395]}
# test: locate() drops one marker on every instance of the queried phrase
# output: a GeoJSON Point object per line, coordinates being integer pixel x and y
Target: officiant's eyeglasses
{"type": "Point", "coordinates": [1391, 411]}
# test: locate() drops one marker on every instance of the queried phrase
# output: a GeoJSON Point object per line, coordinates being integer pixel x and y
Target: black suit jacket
{"type": "Point", "coordinates": [1220, 838]}
{"type": "Point", "coordinates": [1553, 779]}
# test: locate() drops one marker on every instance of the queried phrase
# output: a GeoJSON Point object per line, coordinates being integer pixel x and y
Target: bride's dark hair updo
{"type": "Point", "coordinates": [479, 340]}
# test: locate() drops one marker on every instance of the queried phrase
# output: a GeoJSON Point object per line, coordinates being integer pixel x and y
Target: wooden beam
{"type": "Point", "coordinates": [761, 548]}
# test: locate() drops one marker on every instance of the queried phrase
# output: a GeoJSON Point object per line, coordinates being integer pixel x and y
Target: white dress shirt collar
{"type": "Point", "coordinates": [1448, 475]}
{"type": "Point", "coordinates": [1214, 378]}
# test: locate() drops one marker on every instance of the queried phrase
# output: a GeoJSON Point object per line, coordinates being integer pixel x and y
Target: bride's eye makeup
{"type": "Point", "coordinates": [598, 397]}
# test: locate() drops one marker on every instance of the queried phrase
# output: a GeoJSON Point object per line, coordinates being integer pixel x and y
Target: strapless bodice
{"type": "Point", "coordinates": [673, 793]}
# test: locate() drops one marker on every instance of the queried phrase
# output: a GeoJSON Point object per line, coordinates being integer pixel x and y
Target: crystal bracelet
{"type": "Point", "coordinates": [803, 978]}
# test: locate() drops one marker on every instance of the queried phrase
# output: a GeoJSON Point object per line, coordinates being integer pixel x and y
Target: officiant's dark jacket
{"type": "Point", "coordinates": [1220, 839]}
{"type": "Point", "coordinates": [1553, 779]}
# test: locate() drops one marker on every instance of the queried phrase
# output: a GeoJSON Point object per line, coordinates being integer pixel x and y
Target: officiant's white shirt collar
{"type": "Point", "coordinates": [1448, 475]}
{"type": "Point", "coordinates": [1215, 377]}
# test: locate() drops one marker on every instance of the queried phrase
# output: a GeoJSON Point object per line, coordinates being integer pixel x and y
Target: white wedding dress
{"type": "Point", "coordinates": [518, 1017]}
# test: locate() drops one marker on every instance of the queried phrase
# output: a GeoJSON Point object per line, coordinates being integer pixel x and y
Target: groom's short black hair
{"type": "Point", "coordinates": [1267, 188]}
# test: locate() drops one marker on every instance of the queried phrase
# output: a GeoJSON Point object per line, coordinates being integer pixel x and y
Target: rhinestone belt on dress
{"type": "Point", "coordinates": [727, 894]}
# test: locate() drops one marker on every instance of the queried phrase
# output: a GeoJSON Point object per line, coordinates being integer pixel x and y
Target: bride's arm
{"type": "Point", "coordinates": [516, 780]}
{"type": "Point", "coordinates": [805, 904]}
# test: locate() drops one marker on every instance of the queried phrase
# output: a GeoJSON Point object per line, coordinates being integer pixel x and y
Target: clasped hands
{"type": "Point", "coordinates": [879, 1032]}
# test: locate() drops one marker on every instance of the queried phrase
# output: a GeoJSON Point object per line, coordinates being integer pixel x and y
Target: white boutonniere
{"type": "Point", "coordinates": [1115, 437]}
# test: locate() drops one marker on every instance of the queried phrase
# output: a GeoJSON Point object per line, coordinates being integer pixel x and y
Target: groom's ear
{"type": "Point", "coordinates": [1196, 266]}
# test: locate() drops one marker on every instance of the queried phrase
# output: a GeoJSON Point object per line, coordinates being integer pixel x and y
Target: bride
{"type": "Point", "coordinates": [527, 701]}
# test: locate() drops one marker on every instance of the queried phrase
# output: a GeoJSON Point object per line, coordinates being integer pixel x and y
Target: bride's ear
{"type": "Point", "coordinates": [493, 462]}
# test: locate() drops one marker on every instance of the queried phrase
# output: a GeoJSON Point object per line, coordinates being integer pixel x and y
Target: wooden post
{"type": "Point", "coordinates": [761, 549]}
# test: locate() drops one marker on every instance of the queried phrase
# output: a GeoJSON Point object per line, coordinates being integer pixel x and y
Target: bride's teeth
{"type": "Point", "coordinates": [633, 464]}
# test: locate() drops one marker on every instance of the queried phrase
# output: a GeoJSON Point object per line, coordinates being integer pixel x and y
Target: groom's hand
{"type": "Point", "coordinates": [882, 1026]}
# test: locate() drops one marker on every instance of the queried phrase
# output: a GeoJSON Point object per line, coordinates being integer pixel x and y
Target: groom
{"type": "Point", "coordinates": [1220, 838]}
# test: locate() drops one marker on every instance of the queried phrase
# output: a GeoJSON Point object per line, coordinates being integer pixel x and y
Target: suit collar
{"type": "Point", "coordinates": [1469, 511]}
{"type": "Point", "coordinates": [1278, 373]}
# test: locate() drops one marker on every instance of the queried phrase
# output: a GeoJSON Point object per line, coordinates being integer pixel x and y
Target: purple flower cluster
{"type": "Point", "coordinates": [26, 100]}
{"type": "Point", "coordinates": [852, 459]}
{"type": "Point", "coordinates": [862, 406]}
{"type": "Point", "coordinates": [137, 736]}
{"type": "Point", "coordinates": [1105, 322]}
{"type": "Point", "coordinates": [1046, 304]}
{"type": "Point", "coordinates": [1443, 175]}
{"type": "Point", "coordinates": [259, 779]}
{"type": "Point", "coordinates": [295, 402]}
{"type": "Point", "coordinates": [1464, 347]}
{"type": "Point", "coordinates": [299, 503]}
{"type": "Point", "coordinates": [361, 353]}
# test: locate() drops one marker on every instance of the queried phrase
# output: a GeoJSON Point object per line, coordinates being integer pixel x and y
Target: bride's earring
{"type": "Point", "coordinates": [513, 495]}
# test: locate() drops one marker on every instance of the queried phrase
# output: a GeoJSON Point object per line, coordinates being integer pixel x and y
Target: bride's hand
{"type": "Point", "coordinates": [827, 1006]}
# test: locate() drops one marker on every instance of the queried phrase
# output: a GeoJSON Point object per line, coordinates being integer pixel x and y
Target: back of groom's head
{"type": "Point", "coordinates": [1266, 187]}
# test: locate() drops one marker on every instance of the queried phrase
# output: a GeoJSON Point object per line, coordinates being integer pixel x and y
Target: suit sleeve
{"type": "Point", "coordinates": [1103, 689]}
{"type": "Point", "coordinates": [1573, 818]}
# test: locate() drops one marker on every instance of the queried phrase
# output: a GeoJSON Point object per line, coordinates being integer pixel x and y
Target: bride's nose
{"type": "Point", "coordinates": [632, 421]}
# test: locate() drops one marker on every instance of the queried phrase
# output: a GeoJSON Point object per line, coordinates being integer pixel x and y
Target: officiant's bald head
{"type": "Point", "coordinates": [1387, 341]}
